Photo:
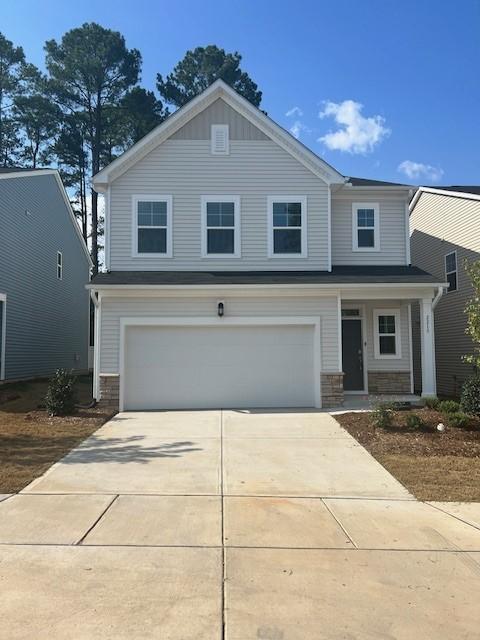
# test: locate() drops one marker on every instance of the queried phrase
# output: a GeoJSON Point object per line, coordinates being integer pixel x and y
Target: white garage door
{"type": "Point", "coordinates": [218, 367]}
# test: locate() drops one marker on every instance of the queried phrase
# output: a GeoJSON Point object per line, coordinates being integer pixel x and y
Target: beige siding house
{"type": "Point", "coordinates": [244, 271]}
{"type": "Point", "coordinates": [445, 234]}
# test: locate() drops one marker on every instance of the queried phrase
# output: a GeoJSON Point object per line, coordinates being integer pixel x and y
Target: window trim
{"type": "Point", "coordinates": [303, 229]}
{"type": "Point", "coordinates": [454, 252]}
{"type": "Point", "coordinates": [237, 249]}
{"type": "Point", "coordinates": [394, 311]}
{"type": "Point", "coordinates": [376, 226]}
{"type": "Point", "coordinates": [59, 265]}
{"type": "Point", "coordinates": [213, 129]}
{"type": "Point", "coordinates": [136, 198]}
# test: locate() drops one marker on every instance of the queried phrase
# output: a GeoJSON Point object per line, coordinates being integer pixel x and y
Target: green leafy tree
{"type": "Point", "coordinates": [12, 60]}
{"type": "Point", "coordinates": [141, 112]}
{"type": "Point", "coordinates": [199, 69]}
{"type": "Point", "coordinates": [38, 118]}
{"type": "Point", "coordinates": [472, 310]}
{"type": "Point", "coordinates": [91, 70]}
{"type": "Point", "coordinates": [71, 152]}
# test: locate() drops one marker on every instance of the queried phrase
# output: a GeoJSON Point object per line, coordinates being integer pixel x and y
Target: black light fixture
{"type": "Point", "coordinates": [220, 309]}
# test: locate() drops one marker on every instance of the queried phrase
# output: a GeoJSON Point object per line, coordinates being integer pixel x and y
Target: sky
{"type": "Point", "coordinates": [385, 89]}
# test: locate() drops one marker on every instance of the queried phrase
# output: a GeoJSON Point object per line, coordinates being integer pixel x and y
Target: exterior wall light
{"type": "Point", "coordinates": [220, 309]}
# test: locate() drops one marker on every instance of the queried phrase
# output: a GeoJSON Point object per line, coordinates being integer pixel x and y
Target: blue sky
{"type": "Point", "coordinates": [396, 82]}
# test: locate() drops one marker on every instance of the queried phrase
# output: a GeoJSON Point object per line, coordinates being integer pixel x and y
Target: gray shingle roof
{"type": "Point", "coordinates": [19, 169]}
{"type": "Point", "coordinates": [365, 182]}
{"type": "Point", "coordinates": [338, 275]}
{"type": "Point", "coordinates": [473, 189]}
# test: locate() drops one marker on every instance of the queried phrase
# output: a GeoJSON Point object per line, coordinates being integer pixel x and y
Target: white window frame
{"type": "Point", "coordinates": [213, 129]}
{"type": "Point", "coordinates": [449, 272]}
{"type": "Point", "coordinates": [303, 229]}
{"type": "Point", "coordinates": [236, 228]}
{"type": "Point", "coordinates": [376, 226]}
{"type": "Point", "coordinates": [59, 265]}
{"type": "Point", "coordinates": [3, 335]}
{"type": "Point", "coordinates": [396, 312]}
{"type": "Point", "coordinates": [151, 198]}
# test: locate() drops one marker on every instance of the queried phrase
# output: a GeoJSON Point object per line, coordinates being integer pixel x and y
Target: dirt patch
{"type": "Point", "coordinates": [31, 441]}
{"type": "Point", "coordinates": [432, 465]}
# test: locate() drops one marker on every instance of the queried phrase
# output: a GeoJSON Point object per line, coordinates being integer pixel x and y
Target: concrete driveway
{"type": "Point", "coordinates": [232, 524]}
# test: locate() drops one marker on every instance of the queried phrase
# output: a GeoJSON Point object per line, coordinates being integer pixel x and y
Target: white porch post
{"type": "Point", "coordinates": [427, 336]}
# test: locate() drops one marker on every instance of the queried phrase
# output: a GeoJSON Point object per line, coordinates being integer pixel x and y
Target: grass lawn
{"type": "Point", "coordinates": [31, 441]}
{"type": "Point", "coordinates": [432, 465]}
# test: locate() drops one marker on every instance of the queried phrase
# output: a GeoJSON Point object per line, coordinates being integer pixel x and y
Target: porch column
{"type": "Point", "coordinates": [427, 339]}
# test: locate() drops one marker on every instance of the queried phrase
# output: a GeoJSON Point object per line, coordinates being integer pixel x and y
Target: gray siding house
{"type": "Point", "coordinates": [244, 271]}
{"type": "Point", "coordinates": [445, 233]}
{"type": "Point", "coordinates": [44, 267]}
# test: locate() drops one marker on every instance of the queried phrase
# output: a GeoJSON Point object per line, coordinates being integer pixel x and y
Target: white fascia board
{"type": "Point", "coordinates": [442, 192]}
{"type": "Point", "coordinates": [27, 174]}
{"type": "Point", "coordinates": [218, 89]}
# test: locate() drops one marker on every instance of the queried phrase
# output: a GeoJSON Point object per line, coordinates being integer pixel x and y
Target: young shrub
{"type": "Point", "coordinates": [382, 416]}
{"type": "Point", "coordinates": [414, 421]}
{"type": "Point", "coordinates": [470, 399]}
{"type": "Point", "coordinates": [459, 420]}
{"type": "Point", "coordinates": [60, 397]}
{"type": "Point", "coordinates": [432, 402]}
{"type": "Point", "coordinates": [449, 406]}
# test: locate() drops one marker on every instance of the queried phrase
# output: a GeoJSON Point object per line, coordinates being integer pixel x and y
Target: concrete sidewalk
{"type": "Point", "coordinates": [233, 524]}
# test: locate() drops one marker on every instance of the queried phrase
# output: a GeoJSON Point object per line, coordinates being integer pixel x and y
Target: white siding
{"type": "Point", "coordinates": [115, 308]}
{"type": "Point", "coordinates": [186, 170]}
{"type": "Point", "coordinates": [392, 229]}
{"type": "Point", "coordinates": [439, 225]}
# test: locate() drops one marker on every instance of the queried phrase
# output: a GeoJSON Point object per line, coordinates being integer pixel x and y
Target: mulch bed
{"type": "Point", "coordinates": [31, 441]}
{"type": "Point", "coordinates": [432, 465]}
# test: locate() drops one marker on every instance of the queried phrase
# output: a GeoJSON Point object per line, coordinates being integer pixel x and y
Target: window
{"type": "Point", "coordinates": [220, 143]}
{"type": "Point", "coordinates": [386, 323]}
{"type": "Point", "coordinates": [152, 226]}
{"type": "Point", "coordinates": [287, 226]}
{"type": "Point", "coordinates": [220, 226]}
{"type": "Point", "coordinates": [451, 271]}
{"type": "Point", "coordinates": [365, 227]}
{"type": "Point", "coordinates": [59, 265]}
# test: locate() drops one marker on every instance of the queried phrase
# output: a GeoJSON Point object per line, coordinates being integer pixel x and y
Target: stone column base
{"type": "Point", "coordinates": [332, 389]}
{"type": "Point", "coordinates": [109, 390]}
{"type": "Point", "coordinates": [389, 382]}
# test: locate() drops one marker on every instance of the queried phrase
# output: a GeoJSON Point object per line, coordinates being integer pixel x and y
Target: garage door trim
{"type": "Point", "coordinates": [219, 322]}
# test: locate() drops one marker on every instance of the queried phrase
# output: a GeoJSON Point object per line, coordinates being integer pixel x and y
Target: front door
{"type": "Point", "coordinates": [352, 354]}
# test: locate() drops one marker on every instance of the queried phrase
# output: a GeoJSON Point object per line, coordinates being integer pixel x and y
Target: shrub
{"type": "Point", "coordinates": [414, 421]}
{"type": "Point", "coordinates": [382, 415]}
{"type": "Point", "coordinates": [60, 397]}
{"type": "Point", "coordinates": [449, 406]}
{"type": "Point", "coordinates": [432, 402]}
{"type": "Point", "coordinates": [458, 420]}
{"type": "Point", "coordinates": [470, 399]}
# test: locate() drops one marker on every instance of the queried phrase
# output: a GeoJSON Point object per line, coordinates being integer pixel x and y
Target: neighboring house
{"type": "Point", "coordinates": [44, 267]}
{"type": "Point", "coordinates": [445, 233]}
{"type": "Point", "coordinates": [244, 271]}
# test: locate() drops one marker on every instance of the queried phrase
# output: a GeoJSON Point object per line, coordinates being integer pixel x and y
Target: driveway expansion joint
{"type": "Point", "coordinates": [80, 541]}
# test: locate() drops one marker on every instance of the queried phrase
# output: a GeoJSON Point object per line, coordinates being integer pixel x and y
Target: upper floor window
{"type": "Point", "coordinates": [386, 323]}
{"type": "Point", "coordinates": [451, 271]}
{"type": "Point", "coordinates": [366, 233]}
{"type": "Point", "coordinates": [59, 265]}
{"type": "Point", "coordinates": [152, 226]}
{"type": "Point", "coordinates": [220, 143]}
{"type": "Point", "coordinates": [287, 234]}
{"type": "Point", "coordinates": [220, 226]}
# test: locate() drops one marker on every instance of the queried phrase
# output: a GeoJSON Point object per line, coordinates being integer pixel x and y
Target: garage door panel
{"type": "Point", "coordinates": [213, 367]}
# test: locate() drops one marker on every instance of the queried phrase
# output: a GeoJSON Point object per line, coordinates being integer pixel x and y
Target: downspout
{"type": "Point", "coordinates": [436, 300]}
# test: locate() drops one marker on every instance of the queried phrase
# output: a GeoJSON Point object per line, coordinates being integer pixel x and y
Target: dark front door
{"type": "Point", "coordinates": [352, 353]}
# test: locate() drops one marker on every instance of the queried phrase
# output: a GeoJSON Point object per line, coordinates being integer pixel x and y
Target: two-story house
{"type": "Point", "coordinates": [445, 228]}
{"type": "Point", "coordinates": [44, 267]}
{"type": "Point", "coordinates": [244, 271]}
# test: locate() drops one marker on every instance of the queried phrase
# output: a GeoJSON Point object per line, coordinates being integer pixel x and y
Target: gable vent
{"type": "Point", "coordinates": [220, 139]}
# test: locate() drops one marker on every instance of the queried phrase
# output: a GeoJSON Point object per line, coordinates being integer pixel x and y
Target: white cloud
{"type": "Point", "coordinates": [294, 111]}
{"type": "Point", "coordinates": [298, 128]}
{"type": "Point", "coordinates": [357, 133]}
{"type": "Point", "coordinates": [418, 170]}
